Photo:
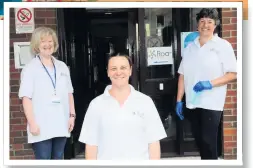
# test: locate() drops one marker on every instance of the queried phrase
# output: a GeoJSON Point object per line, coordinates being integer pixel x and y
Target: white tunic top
{"type": "Point", "coordinates": [208, 62]}
{"type": "Point", "coordinates": [52, 118]}
{"type": "Point", "coordinates": [122, 133]}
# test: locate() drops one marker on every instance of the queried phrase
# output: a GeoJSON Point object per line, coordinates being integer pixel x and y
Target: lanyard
{"type": "Point", "coordinates": [54, 84]}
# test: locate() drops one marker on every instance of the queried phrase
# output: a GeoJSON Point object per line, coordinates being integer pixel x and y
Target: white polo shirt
{"type": "Point", "coordinates": [122, 133]}
{"type": "Point", "coordinates": [52, 118]}
{"type": "Point", "coordinates": [208, 62]}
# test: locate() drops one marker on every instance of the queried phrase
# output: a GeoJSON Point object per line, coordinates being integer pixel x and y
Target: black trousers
{"type": "Point", "coordinates": [205, 124]}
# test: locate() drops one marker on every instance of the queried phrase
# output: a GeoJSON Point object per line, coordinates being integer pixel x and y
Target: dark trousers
{"type": "Point", "coordinates": [205, 124]}
{"type": "Point", "coordinates": [50, 149]}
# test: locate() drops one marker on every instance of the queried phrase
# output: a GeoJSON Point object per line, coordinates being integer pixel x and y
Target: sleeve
{"type": "Point", "coordinates": [27, 83]}
{"type": "Point", "coordinates": [70, 86]}
{"type": "Point", "coordinates": [89, 131]}
{"type": "Point", "coordinates": [228, 58]}
{"type": "Point", "coordinates": [181, 69]}
{"type": "Point", "coordinates": [154, 126]}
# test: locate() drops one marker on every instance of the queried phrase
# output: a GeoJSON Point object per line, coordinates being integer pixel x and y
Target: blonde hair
{"type": "Point", "coordinates": [40, 33]}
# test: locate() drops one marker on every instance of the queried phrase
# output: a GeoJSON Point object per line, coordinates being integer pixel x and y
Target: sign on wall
{"type": "Point", "coordinates": [186, 38]}
{"type": "Point", "coordinates": [24, 20]}
{"type": "Point", "coordinates": [22, 54]}
{"type": "Point", "coordinates": [160, 56]}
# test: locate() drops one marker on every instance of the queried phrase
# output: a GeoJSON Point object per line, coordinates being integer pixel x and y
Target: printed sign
{"type": "Point", "coordinates": [160, 56]}
{"type": "Point", "coordinates": [24, 20]}
{"type": "Point", "coordinates": [22, 54]}
{"type": "Point", "coordinates": [186, 38]}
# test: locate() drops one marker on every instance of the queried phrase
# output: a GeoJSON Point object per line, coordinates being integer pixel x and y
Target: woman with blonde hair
{"type": "Point", "coordinates": [47, 97]}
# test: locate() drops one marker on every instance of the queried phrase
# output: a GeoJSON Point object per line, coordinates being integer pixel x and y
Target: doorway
{"type": "Point", "coordinates": [85, 44]}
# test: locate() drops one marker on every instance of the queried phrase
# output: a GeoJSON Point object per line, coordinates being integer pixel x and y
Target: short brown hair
{"type": "Point", "coordinates": [38, 34]}
{"type": "Point", "coordinates": [121, 54]}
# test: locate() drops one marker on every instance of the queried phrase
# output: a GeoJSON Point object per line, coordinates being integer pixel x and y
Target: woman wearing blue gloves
{"type": "Point", "coordinates": [208, 65]}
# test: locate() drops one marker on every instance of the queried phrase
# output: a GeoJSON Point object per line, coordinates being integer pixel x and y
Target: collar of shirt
{"type": "Point", "coordinates": [56, 63]}
{"type": "Point", "coordinates": [107, 94]}
{"type": "Point", "coordinates": [213, 39]}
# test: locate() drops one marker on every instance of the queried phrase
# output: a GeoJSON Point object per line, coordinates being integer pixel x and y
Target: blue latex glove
{"type": "Point", "coordinates": [202, 85]}
{"type": "Point", "coordinates": [179, 110]}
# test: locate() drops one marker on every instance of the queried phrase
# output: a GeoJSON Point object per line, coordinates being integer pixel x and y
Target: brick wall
{"type": "Point", "coordinates": [229, 22]}
{"type": "Point", "coordinates": [19, 149]}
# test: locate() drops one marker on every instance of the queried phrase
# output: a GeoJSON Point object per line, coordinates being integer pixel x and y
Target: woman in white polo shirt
{"type": "Point", "coordinates": [122, 123]}
{"type": "Point", "coordinates": [46, 93]}
{"type": "Point", "coordinates": [208, 65]}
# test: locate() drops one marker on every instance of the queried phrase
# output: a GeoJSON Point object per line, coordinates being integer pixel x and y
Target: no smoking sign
{"type": "Point", "coordinates": [24, 15]}
{"type": "Point", "coordinates": [24, 20]}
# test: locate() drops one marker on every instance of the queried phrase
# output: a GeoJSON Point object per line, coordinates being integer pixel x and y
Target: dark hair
{"type": "Point", "coordinates": [211, 13]}
{"type": "Point", "coordinates": [120, 54]}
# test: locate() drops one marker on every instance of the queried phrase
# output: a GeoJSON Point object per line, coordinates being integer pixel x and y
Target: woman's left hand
{"type": "Point", "coordinates": [71, 123]}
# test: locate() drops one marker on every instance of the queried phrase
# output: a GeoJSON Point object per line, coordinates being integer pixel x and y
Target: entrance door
{"type": "Point", "coordinates": [159, 55]}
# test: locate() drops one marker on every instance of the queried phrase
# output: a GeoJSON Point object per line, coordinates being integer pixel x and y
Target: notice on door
{"type": "Point", "coordinates": [160, 56]}
{"type": "Point", "coordinates": [24, 20]}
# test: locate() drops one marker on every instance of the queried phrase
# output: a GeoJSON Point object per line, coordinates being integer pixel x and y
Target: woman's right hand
{"type": "Point", "coordinates": [179, 110]}
{"type": "Point", "coordinates": [34, 129]}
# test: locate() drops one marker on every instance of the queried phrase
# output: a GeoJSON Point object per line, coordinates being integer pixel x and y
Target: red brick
{"type": "Point", "coordinates": [227, 124]}
{"type": "Point", "coordinates": [14, 108]}
{"type": "Point", "coordinates": [51, 21]}
{"type": "Point", "coordinates": [234, 20]}
{"type": "Point", "coordinates": [29, 157]}
{"type": "Point", "coordinates": [40, 20]}
{"type": "Point", "coordinates": [23, 152]}
{"type": "Point", "coordinates": [234, 86]}
{"type": "Point", "coordinates": [16, 157]}
{"type": "Point", "coordinates": [45, 14]}
{"type": "Point", "coordinates": [15, 102]}
{"type": "Point", "coordinates": [14, 89]}
{"type": "Point", "coordinates": [15, 121]}
{"type": "Point", "coordinates": [230, 106]}
{"type": "Point", "coordinates": [18, 114]}
{"type": "Point", "coordinates": [20, 140]}
{"type": "Point", "coordinates": [228, 150]}
{"type": "Point", "coordinates": [226, 9]}
{"type": "Point", "coordinates": [229, 14]}
{"type": "Point", "coordinates": [234, 99]}
{"type": "Point", "coordinates": [228, 99]}
{"type": "Point", "coordinates": [225, 21]}
{"type": "Point", "coordinates": [230, 157]}
{"type": "Point", "coordinates": [231, 93]}
{"type": "Point", "coordinates": [234, 112]}
{"type": "Point", "coordinates": [230, 131]}
{"type": "Point", "coordinates": [15, 76]}
{"type": "Point", "coordinates": [226, 34]}
{"type": "Point", "coordinates": [234, 138]}
{"type": "Point", "coordinates": [15, 134]}
{"type": "Point", "coordinates": [17, 146]}
{"type": "Point", "coordinates": [228, 138]}
{"type": "Point", "coordinates": [227, 112]}
{"type": "Point", "coordinates": [231, 39]}
{"type": "Point", "coordinates": [229, 27]}
{"type": "Point", "coordinates": [17, 36]}
{"type": "Point", "coordinates": [229, 144]}
{"type": "Point", "coordinates": [229, 118]}
{"type": "Point", "coordinates": [18, 127]}
{"type": "Point", "coordinates": [14, 82]}
{"type": "Point", "coordinates": [233, 33]}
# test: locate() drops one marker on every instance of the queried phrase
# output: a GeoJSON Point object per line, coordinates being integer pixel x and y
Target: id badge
{"type": "Point", "coordinates": [55, 99]}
